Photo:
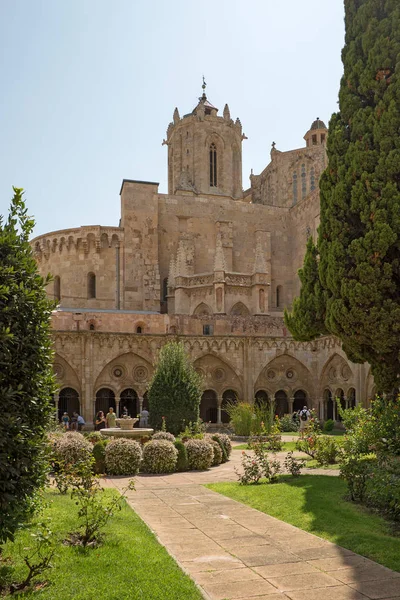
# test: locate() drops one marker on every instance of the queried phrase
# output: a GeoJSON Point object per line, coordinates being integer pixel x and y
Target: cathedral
{"type": "Point", "coordinates": [209, 264]}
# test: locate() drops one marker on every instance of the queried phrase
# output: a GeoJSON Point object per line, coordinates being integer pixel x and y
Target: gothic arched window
{"type": "Point", "coordinates": [279, 297]}
{"type": "Point", "coordinates": [57, 288]}
{"type": "Point", "coordinates": [312, 179]}
{"type": "Point", "coordinates": [91, 285]}
{"type": "Point", "coordinates": [303, 181]}
{"type": "Point", "coordinates": [213, 165]}
{"type": "Point", "coordinates": [294, 187]}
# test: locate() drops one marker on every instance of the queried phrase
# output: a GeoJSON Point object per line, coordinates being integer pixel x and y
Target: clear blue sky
{"type": "Point", "coordinates": [88, 88]}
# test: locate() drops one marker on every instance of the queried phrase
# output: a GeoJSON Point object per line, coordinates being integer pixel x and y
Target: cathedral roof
{"type": "Point", "coordinates": [318, 124]}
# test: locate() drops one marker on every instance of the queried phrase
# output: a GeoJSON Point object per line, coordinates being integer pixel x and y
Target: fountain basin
{"type": "Point", "coordinates": [131, 434]}
{"type": "Point", "coordinates": [126, 423]}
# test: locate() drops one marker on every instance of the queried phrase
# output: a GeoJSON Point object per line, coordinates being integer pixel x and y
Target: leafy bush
{"type": "Point", "coordinates": [356, 472]}
{"type": "Point", "coordinates": [328, 425]}
{"type": "Point", "coordinates": [175, 389]}
{"type": "Point", "coordinates": [72, 447]}
{"type": "Point", "coordinates": [123, 457]}
{"type": "Point", "coordinates": [93, 436]}
{"type": "Point", "coordinates": [217, 460]}
{"type": "Point", "coordinates": [326, 451]}
{"type": "Point", "coordinates": [294, 465]}
{"type": "Point", "coordinates": [182, 463]}
{"type": "Point", "coordinates": [26, 375]}
{"type": "Point", "coordinates": [225, 442]}
{"type": "Point", "coordinates": [159, 456]}
{"type": "Point", "coordinates": [383, 492]}
{"type": "Point", "coordinates": [99, 455]}
{"type": "Point", "coordinates": [194, 429]}
{"type": "Point", "coordinates": [241, 417]}
{"type": "Point", "coordinates": [258, 466]}
{"type": "Point", "coordinates": [287, 424]}
{"type": "Point", "coordinates": [164, 435]}
{"type": "Point", "coordinates": [200, 454]}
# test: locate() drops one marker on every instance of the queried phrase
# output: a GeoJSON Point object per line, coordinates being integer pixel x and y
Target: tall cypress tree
{"type": "Point", "coordinates": [359, 235]}
{"type": "Point", "coordinates": [306, 321]}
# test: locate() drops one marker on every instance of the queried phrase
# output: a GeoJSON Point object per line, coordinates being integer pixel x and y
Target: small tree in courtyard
{"type": "Point", "coordinates": [26, 379]}
{"type": "Point", "coordinates": [175, 390]}
{"type": "Point", "coordinates": [359, 235]}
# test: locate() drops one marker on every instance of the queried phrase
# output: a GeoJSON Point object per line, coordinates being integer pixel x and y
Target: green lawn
{"type": "Point", "coordinates": [316, 504]}
{"type": "Point", "coordinates": [130, 564]}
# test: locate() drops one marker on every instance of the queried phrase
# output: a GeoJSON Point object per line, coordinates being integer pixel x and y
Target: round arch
{"type": "Point", "coordinates": [209, 406]}
{"type": "Point", "coordinates": [228, 397]}
{"type": "Point", "coordinates": [281, 403]}
{"type": "Point", "coordinates": [262, 399]}
{"type": "Point", "coordinates": [105, 399]}
{"type": "Point", "coordinates": [129, 400]}
{"type": "Point", "coordinates": [299, 400]}
{"type": "Point", "coordinates": [68, 401]}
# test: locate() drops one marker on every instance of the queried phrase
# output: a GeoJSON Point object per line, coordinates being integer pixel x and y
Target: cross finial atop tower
{"type": "Point", "coordinates": [204, 87]}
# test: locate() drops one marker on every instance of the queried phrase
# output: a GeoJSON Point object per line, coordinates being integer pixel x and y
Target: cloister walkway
{"type": "Point", "coordinates": [235, 552]}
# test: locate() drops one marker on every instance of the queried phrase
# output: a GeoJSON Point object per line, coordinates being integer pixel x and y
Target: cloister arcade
{"type": "Point", "coordinates": [283, 383]}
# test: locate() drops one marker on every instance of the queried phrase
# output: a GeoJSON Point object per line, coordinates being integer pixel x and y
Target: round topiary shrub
{"type": "Point", "coordinates": [72, 447]}
{"type": "Point", "coordinates": [159, 456]}
{"type": "Point", "coordinates": [200, 454]}
{"type": "Point", "coordinates": [164, 435]}
{"type": "Point", "coordinates": [122, 457]}
{"type": "Point", "coordinates": [225, 441]}
{"type": "Point", "coordinates": [217, 459]}
{"type": "Point", "coordinates": [182, 462]}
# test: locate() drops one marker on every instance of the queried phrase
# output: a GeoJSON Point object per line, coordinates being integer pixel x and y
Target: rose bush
{"type": "Point", "coordinates": [123, 457]}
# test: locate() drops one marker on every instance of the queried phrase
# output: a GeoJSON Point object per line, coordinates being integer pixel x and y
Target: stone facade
{"type": "Point", "coordinates": [207, 263]}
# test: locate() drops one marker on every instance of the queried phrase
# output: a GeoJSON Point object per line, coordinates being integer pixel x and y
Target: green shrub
{"type": "Point", "coordinates": [356, 472]}
{"type": "Point", "coordinates": [182, 461]}
{"type": "Point", "coordinates": [159, 456]}
{"type": "Point", "coordinates": [26, 375]}
{"type": "Point", "coordinates": [287, 424]}
{"type": "Point", "coordinates": [175, 389]}
{"type": "Point", "coordinates": [93, 436]}
{"type": "Point", "coordinates": [225, 442]}
{"type": "Point", "coordinates": [123, 457]}
{"type": "Point", "coordinates": [383, 492]}
{"type": "Point", "coordinates": [164, 435]}
{"type": "Point", "coordinates": [72, 447]}
{"type": "Point", "coordinates": [241, 417]}
{"type": "Point", "coordinates": [328, 425]}
{"type": "Point", "coordinates": [217, 459]}
{"type": "Point", "coordinates": [99, 455]}
{"type": "Point", "coordinates": [326, 451]}
{"type": "Point", "coordinates": [200, 454]}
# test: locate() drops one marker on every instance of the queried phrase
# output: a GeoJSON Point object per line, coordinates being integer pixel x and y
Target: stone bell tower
{"type": "Point", "coordinates": [205, 152]}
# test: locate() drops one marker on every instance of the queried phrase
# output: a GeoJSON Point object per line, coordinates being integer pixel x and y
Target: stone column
{"type": "Point", "coordinates": [219, 402]}
{"type": "Point", "coordinates": [322, 409]}
{"type": "Point", "coordinates": [140, 404]}
{"type": "Point", "coordinates": [117, 402]}
{"type": "Point", "coordinates": [94, 410]}
{"type": "Point", "coordinates": [291, 403]}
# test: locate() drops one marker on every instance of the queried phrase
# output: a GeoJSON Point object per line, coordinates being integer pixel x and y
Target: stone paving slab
{"type": "Point", "coordinates": [234, 552]}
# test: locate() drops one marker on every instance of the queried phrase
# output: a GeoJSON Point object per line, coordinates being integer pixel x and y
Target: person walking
{"type": "Point", "coordinates": [304, 415]}
{"type": "Point", "coordinates": [111, 418]}
{"type": "Point", "coordinates": [144, 418]}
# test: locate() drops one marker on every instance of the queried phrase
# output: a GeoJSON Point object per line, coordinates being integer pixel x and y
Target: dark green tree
{"type": "Point", "coordinates": [359, 235]}
{"type": "Point", "coordinates": [26, 379]}
{"type": "Point", "coordinates": [306, 321]}
{"type": "Point", "coordinates": [175, 390]}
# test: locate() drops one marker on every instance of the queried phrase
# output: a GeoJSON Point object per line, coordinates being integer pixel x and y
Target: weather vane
{"type": "Point", "coordinates": [204, 85]}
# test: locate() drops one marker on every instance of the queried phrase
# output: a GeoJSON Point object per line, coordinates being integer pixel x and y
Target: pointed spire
{"type": "Point", "coordinates": [172, 272]}
{"type": "Point", "coordinates": [219, 258]}
{"type": "Point", "coordinates": [181, 264]}
{"type": "Point", "coordinates": [227, 113]}
{"type": "Point", "coordinates": [176, 116]}
{"type": "Point", "coordinates": [260, 262]}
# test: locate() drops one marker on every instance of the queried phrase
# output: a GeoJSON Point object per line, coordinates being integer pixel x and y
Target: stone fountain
{"type": "Point", "coordinates": [125, 429]}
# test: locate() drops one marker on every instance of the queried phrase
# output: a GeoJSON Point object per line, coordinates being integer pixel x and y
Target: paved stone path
{"type": "Point", "coordinates": [235, 552]}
